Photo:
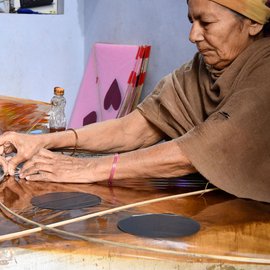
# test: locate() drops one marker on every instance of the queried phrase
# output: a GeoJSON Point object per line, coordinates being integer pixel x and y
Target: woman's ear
{"type": "Point", "coordinates": [255, 28]}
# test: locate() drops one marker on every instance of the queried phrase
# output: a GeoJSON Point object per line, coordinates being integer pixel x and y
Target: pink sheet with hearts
{"type": "Point", "coordinates": [104, 84]}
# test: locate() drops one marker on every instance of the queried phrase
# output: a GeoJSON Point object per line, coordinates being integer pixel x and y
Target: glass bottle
{"type": "Point", "coordinates": [57, 119]}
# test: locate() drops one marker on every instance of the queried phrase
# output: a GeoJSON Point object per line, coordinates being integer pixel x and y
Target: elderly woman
{"type": "Point", "coordinates": [214, 110]}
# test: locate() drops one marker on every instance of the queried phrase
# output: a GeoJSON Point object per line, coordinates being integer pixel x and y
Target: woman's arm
{"type": "Point", "coordinates": [124, 134]}
{"type": "Point", "coordinates": [161, 160]}
{"type": "Point", "coordinates": [119, 135]}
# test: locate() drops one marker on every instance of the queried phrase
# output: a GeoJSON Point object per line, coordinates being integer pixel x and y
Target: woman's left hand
{"type": "Point", "coordinates": [55, 167]}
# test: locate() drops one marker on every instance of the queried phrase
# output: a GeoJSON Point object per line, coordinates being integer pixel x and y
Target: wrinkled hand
{"type": "Point", "coordinates": [4, 165]}
{"type": "Point", "coordinates": [24, 145]}
{"type": "Point", "coordinates": [55, 167]}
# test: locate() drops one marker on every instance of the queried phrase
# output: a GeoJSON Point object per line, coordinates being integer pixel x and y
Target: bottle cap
{"type": "Point", "coordinates": [59, 91]}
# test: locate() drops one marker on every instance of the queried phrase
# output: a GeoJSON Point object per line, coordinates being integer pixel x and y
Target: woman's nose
{"type": "Point", "coordinates": [196, 33]}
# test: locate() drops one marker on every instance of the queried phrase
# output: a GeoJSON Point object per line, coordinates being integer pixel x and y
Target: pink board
{"type": "Point", "coordinates": [104, 83]}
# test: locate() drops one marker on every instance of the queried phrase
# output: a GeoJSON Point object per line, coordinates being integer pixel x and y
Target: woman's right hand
{"type": "Point", "coordinates": [25, 146]}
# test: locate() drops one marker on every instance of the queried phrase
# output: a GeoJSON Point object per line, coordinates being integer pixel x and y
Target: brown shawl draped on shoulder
{"type": "Point", "coordinates": [222, 124]}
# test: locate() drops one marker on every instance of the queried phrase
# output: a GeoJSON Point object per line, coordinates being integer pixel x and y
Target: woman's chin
{"type": "Point", "coordinates": [214, 63]}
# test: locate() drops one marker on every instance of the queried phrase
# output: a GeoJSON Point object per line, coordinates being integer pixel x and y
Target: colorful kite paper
{"type": "Point", "coordinates": [111, 73]}
{"type": "Point", "coordinates": [23, 115]}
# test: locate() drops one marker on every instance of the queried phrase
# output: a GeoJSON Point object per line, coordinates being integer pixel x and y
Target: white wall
{"type": "Point", "coordinates": [39, 52]}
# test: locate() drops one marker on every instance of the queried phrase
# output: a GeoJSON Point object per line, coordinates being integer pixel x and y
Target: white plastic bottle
{"type": "Point", "coordinates": [57, 119]}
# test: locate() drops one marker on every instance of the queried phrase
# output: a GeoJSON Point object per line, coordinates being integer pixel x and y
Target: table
{"type": "Point", "coordinates": [234, 234]}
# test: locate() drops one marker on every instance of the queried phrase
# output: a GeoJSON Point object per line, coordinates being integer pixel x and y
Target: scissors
{"type": "Point", "coordinates": [4, 177]}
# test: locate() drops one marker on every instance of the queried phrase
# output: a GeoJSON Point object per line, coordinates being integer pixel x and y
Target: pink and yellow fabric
{"type": "Point", "coordinates": [257, 10]}
{"type": "Point", "coordinates": [106, 82]}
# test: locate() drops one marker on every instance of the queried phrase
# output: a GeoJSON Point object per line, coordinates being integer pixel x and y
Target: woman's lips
{"type": "Point", "coordinates": [204, 51]}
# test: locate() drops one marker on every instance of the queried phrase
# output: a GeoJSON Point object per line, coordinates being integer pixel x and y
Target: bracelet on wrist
{"type": "Point", "coordinates": [76, 140]}
{"type": "Point", "coordinates": [113, 169]}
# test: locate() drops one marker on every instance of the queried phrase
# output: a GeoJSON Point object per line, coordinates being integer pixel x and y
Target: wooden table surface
{"type": "Point", "coordinates": [234, 234]}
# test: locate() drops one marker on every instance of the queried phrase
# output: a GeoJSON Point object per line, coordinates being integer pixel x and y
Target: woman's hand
{"type": "Point", "coordinates": [25, 145]}
{"type": "Point", "coordinates": [55, 167]}
{"type": "Point", "coordinates": [4, 165]}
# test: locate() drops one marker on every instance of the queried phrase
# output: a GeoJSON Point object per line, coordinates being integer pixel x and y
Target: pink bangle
{"type": "Point", "coordinates": [113, 169]}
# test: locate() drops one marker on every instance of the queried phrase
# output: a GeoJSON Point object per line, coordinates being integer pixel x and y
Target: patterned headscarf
{"type": "Point", "coordinates": [257, 10]}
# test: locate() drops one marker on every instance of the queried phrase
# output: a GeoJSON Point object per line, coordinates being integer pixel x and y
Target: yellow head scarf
{"type": "Point", "coordinates": [252, 9]}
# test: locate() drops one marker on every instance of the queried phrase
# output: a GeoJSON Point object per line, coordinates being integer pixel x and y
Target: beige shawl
{"type": "Point", "coordinates": [221, 123]}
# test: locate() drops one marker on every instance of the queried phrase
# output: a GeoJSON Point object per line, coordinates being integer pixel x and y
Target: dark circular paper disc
{"type": "Point", "coordinates": [65, 200]}
{"type": "Point", "coordinates": [159, 225]}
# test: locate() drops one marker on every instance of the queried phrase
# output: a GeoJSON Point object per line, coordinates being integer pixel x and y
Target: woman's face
{"type": "Point", "coordinates": [218, 33]}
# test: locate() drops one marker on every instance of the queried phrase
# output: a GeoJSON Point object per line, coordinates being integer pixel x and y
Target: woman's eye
{"type": "Point", "coordinates": [204, 23]}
